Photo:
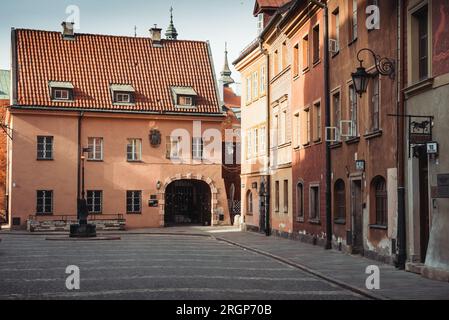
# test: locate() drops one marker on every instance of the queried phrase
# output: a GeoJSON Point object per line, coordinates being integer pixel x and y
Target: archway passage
{"type": "Point", "coordinates": [188, 202]}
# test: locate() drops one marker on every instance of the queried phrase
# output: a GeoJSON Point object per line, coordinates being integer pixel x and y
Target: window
{"type": "Point", "coordinates": [248, 90]}
{"type": "Point", "coordinates": [375, 100]}
{"type": "Point", "coordinates": [423, 44]}
{"type": "Point", "coordinates": [336, 114]}
{"type": "Point", "coordinates": [95, 202]}
{"type": "Point", "coordinates": [276, 195]}
{"type": "Point", "coordinates": [276, 130]}
{"type": "Point", "coordinates": [44, 202]}
{"type": "Point", "coordinates": [255, 85]}
{"type": "Point", "coordinates": [185, 101]}
{"type": "Point", "coordinates": [134, 201]}
{"type": "Point", "coordinates": [316, 44]}
{"type": "Point", "coordinates": [262, 137]}
{"type": "Point", "coordinates": [173, 145]}
{"type": "Point", "coordinates": [284, 55]}
{"type": "Point", "coordinates": [260, 24]}
{"type": "Point", "coordinates": [308, 128]}
{"type": "Point", "coordinates": [297, 130]}
{"type": "Point", "coordinates": [286, 193]}
{"type": "Point", "coordinates": [336, 23]}
{"type": "Point", "coordinates": [95, 149]}
{"type": "Point", "coordinates": [45, 148]}
{"type": "Point", "coordinates": [134, 150]}
{"type": "Point", "coordinates": [276, 63]}
{"type": "Point", "coordinates": [249, 203]}
{"type": "Point", "coordinates": [256, 141]}
{"type": "Point", "coordinates": [305, 53]}
{"type": "Point", "coordinates": [122, 97]}
{"type": "Point", "coordinates": [315, 203]}
{"type": "Point", "coordinates": [61, 94]}
{"type": "Point", "coordinates": [197, 148]}
{"type": "Point", "coordinates": [340, 201]}
{"type": "Point", "coordinates": [300, 201]}
{"type": "Point", "coordinates": [380, 201]}
{"type": "Point", "coordinates": [353, 110]}
{"type": "Point", "coordinates": [262, 80]}
{"type": "Point", "coordinates": [353, 19]}
{"type": "Point", "coordinates": [317, 122]}
{"type": "Point", "coordinates": [296, 60]}
{"type": "Point", "coordinates": [283, 128]}
{"type": "Point", "coordinates": [249, 144]}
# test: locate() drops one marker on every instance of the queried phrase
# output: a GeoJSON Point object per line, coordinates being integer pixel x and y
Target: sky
{"type": "Point", "coordinates": [217, 21]}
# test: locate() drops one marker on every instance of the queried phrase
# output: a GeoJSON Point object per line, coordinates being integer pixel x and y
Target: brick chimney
{"type": "Point", "coordinates": [156, 36]}
{"type": "Point", "coordinates": [68, 30]}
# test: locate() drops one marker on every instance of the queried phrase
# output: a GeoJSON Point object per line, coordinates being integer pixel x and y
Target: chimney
{"type": "Point", "coordinates": [68, 30]}
{"type": "Point", "coordinates": [156, 36]}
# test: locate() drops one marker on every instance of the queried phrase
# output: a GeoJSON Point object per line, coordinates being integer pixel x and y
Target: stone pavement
{"type": "Point", "coordinates": [343, 268]}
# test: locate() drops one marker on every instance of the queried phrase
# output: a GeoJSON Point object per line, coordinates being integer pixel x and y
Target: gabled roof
{"type": "Point", "coordinates": [4, 84]}
{"type": "Point", "coordinates": [93, 63]}
{"type": "Point", "coordinates": [231, 99]}
{"type": "Point", "coordinates": [262, 5]}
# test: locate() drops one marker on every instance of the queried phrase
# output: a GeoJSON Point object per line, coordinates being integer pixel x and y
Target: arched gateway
{"type": "Point", "coordinates": [188, 200]}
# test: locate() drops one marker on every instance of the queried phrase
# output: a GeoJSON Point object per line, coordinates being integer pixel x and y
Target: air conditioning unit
{"type": "Point", "coordinates": [333, 46]}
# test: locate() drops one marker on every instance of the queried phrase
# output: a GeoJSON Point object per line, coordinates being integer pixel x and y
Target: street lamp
{"type": "Point", "coordinates": [360, 78]}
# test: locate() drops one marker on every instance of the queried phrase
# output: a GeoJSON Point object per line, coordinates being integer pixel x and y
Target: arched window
{"type": "Point", "coordinates": [300, 201]}
{"type": "Point", "coordinates": [379, 187]}
{"type": "Point", "coordinates": [340, 202]}
{"type": "Point", "coordinates": [249, 202]}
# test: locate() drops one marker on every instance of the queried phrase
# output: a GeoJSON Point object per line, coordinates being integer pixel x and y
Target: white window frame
{"type": "Point", "coordinates": [197, 148]}
{"type": "Point", "coordinates": [262, 80]}
{"type": "Point", "coordinates": [94, 154]}
{"type": "Point", "coordinates": [95, 197]}
{"type": "Point", "coordinates": [185, 101]}
{"type": "Point", "coordinates": [45, 195]}
{"type": "Point", "coordinates": [61, 94]}
{"type": "Point", "coordinates": [45, 146]}
{"type": "Point", "coordinates": [135, 155]}
{"type": "Point", "coordinates": [255, 83]}
{"type": "Point", "coordinates": [262, 139]}
{"type": "Point", "coordinates": [136, 201]}
{"type": "Point", "coordinates": [122, 97]}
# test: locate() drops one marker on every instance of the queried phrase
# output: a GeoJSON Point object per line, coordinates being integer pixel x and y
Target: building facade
{"type": "Point", "coordinates": [116, 121]}
{"type": "Point", "coordinates": [5, 80]}
{"type": "Point", "coordinates": [425, 95]}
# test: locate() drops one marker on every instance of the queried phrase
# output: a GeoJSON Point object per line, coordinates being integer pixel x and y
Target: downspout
{"type": "Point", "coordinates": [402, 234]}
{"type": "Point", "coordinates": [268, 137]}
{"type": "Point", "coordinates": [80, 118]}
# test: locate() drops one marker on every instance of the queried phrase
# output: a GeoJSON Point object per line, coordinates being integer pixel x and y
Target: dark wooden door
{"type": "Point", "coordinates": [424, 203]}
{"type": "Point", "coordinates": [357, 217]}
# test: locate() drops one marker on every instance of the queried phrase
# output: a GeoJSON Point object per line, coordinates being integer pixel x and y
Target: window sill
{"type": "Point", "coordinates": [134, 213]}
{"type": "Point", "coordinates": [307, 145]}
{"type": "Point", "coordinates": [378, 227]}
{"type": "Point", "coordinates": [315, 221]}
{"type": "Point", "coordinates": [340, 221]}
{"type": "Point", "coordinates": [134, 161]}
{"type": "Point", "coordinates": [61, 100]}
{"type": "Point", "coordinates": [418, 87]}
{"type": "Point", "coordinates": [317, 141]}
{"type": "Point", "coordinates": [304, 71]}
{"type": "Point", "coordinates": [300, 220]}
{"type": "Point", "coordinates": [336, 145]}
{"type": "Point", "coordinates": [372, 135]}
{"type": "Point", "coordinates": [45, 159]}
{"type": "Point", "coordinates": [249, 214]}
{"type": "Point", "coordinates": [297, 148]}
{"type": "Point", "coordinates": [124, 104]}
{"type": "Point", "coordinates": [316, 63]}
{"type": "Point", "coordinates": [353, 140]}
{"type": "Point", "coordinates": [335, 54]}
{"type": "Point", "coordinates": [295, 77]}
{"type": "Point", "coordinates": [93, 160]}
{"type": "Point", "coordinates": [44, 214]}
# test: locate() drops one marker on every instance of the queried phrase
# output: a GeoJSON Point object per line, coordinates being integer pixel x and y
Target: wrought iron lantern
{"type": "Point", "coordinates": [360, 78]}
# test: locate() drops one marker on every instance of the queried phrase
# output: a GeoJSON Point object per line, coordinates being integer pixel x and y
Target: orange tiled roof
{"type": "Point", "coordinates": [231, 100]}
{"type": "Point", "coordinates": [269, 4]}
{"type": "Point", "coordinates": [92, 63]}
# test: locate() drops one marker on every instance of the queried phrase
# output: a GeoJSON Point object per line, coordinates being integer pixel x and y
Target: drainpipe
{"type": "Point", "coordinates": [80, 118]}
{"type": "Point", "coordinates": [327, 124]}
{"type": "Point", "coordinates": [402, 235]}
{"type": "Point", "coordinates": [268, 137]}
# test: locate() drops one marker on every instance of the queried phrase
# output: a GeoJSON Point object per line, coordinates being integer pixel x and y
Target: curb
{"type": "Point", "coordinates": [318, 274]}
{"type": "Point", "coordinates": [49, 234]}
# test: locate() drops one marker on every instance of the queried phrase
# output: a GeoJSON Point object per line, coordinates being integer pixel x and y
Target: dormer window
{"type": "Point", "coordinates": [184, 97]}
{"type": "Point", "coordinates": [185, 101]}
{"type": "Point", "coordinates": [61, 91]}
{"type": "Point", "coordinates": [122, 94]}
